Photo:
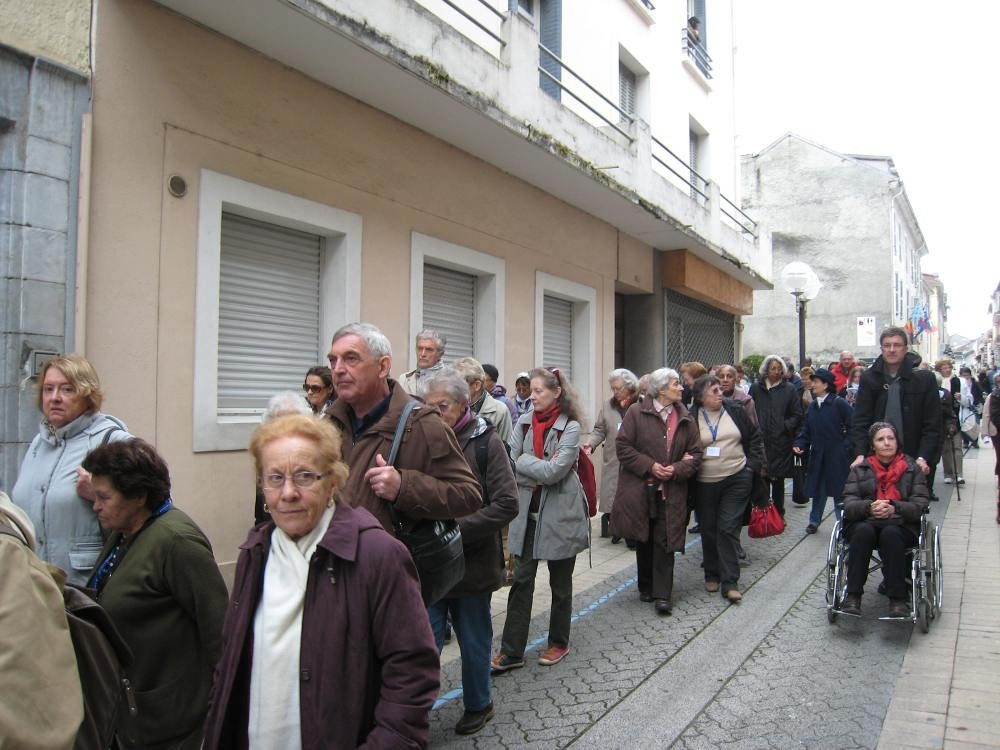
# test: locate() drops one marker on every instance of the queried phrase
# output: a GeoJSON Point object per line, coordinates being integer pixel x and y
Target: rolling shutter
{"type": "Point", "coordinates": [626, 90]}
{"type": "Point", "coordinates": [268, 312]}
{"type": "Point", "coordinates": [450, 308]}
{"type": "Point", "coordinates": [557, 329]}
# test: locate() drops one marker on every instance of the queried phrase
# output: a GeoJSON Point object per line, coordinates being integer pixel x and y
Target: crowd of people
{"type": "Point", "coordinates": [330, 612]}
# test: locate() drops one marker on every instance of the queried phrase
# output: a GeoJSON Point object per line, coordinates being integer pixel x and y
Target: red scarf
{"type": "Point", "coordinates": [887, 476]}
{"type": "Point", "coordinates": [540, 424]}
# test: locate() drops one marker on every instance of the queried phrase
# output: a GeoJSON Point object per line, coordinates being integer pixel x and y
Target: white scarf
{"type": "Point", "coordinates": [275, 719]}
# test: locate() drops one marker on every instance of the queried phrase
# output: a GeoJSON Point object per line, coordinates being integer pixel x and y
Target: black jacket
{"type": "Point", "coordinates": [779, 414]}
{"type": "Point", "coordinates": [921, 408]}
{"type": "Point", "coordinates": [860, 490]}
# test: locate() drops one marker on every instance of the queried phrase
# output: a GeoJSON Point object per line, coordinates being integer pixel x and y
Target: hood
{"type": "Point", "coordinates": [497, 391]}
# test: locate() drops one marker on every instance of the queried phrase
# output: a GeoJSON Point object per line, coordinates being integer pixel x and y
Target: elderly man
{"type": "Point", "coordinates": [430, 349]}
{"type": "Point", "coordinates": [842, 372]}
{"type": "Point", "coordinates": [431, 478]}
{"type": "Point", "coordinates": [480, 401]}
{"type": "Point", "coordinates": [729, 379]}
{"type": "Point", "coordinates": [896, 391]}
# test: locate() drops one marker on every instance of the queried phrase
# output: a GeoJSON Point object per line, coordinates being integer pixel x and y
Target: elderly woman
{"type": "Point", "coordinates": [158, 581]}
{"type": "Point", "coordinates": [624, 392]}
{"type": "Point", "coordinates": [659, 449]}
{"type": "Point", "coordinates": [326, 642]}
{"type": "Point", "coordinates": [732, 453]}
{"type": "Point", "coordinates": [970, 397]}
{"type": "Point", "coordinates": [318, 387]}
{"type": "Point", "coordinates": [51, 487]}
{"type": "Point", "coordinates": [552, 523]}
{"type": "Point", "coordinates": [468, 604]}
{"type": "Point", "coordinates": [884, 498]}
{"type": "Point", "coordinates": [779, 414]}
{"type": "Point", "coordinates": [824, 434]}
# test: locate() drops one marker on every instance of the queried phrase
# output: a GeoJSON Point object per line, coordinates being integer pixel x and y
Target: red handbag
{"type": "Point", "coordinates": [766, 521]}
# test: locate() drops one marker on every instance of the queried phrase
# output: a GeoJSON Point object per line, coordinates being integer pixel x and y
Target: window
{"type": "Point", "coordinates": [566, 330]}
{"type": "Point", "coordinates": [626, 90]}
{"type": "Point", "coordinates": [698, 161]}
{"type": "Point", "coordinates": [460, 292]}
{"type": "Point", "coordinates": [550, 37]}
{"type": "Point", "coordinates": [525, 6]}
{"type": "Point", "coordinates": [276, 276]}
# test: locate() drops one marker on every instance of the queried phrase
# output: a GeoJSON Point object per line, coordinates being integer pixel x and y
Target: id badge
{"type": "Point", "coordinates": [713, 451]}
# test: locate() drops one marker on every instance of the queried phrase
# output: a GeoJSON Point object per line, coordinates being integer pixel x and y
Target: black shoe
{"type": "Point", "coordinates": [447, 633]}
{"type": "Point", "coordinates": [663, 607]}
{"type": "Point", "coordinates": [811, 529]}
{"type": "Point", "coordinates": [851, 605]}
{"type": "Point", "coordinates": [630, 543]}
{"type": "Point", "coordinates": [472, 721]}
{"type": "Point", "coordinates": [605, 522]}
{"type": "Point", "coordinates": [696, 529]}
{"type": "Point", "coordinates": [616, 540]}
{"type": "Point", "coordinates": [645, 597]}
{"type": "Point", "coordinates": [899, 608]}
{"type": "Point", "coordinates": [882, 588]}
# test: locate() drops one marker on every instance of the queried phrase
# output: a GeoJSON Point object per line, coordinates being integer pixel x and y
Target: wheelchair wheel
{"type": "Point", "coordinates": [923, 615]}
{"type": "Point", "coordinates": [834, 555]}
{"type": "Point", "coordinates": [937, 574]}
{"type": "Point", "coordinates": [837, 582]}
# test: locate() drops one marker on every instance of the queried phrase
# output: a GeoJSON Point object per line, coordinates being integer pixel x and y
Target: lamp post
{"type": "Point", "coordinates": [801, 282]}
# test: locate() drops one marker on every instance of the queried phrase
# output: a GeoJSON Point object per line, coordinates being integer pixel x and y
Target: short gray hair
{"type": "Point", "coordinates": [447, 380]}
{"type": "Point", "coordinates": [429, 334]}
{"type": "Point", "coordinates": [660, 379]}
{"type": "Point", "coordinates": [285, 402]}
{"type": "Point", "coordinates": [767, 363]}
{"type": "Point", "coordinates": [626, 376]}
{"type": "Point", "coordinates": [374, 339]}
{"type": "Point", "coordinates": [470, 369]}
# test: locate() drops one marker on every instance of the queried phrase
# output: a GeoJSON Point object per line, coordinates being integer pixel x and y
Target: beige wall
{"type": "Point", "coordinates": [56, 29]}
{"type": "Point", "coordinates": [173, 98]}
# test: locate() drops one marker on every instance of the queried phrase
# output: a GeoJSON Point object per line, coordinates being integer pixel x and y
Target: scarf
{"type": "Point", "coordinates": [463, 420]}
{"type": "Point", "coordinates": [540, 424]}
{"type": "Point", "coordinates": [887, 476]}
{"type": "Point", "coordinates": [275, 719]}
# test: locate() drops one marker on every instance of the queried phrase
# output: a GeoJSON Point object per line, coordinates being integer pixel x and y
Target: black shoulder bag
{"type": "Point", "coordinates": [435, 545]}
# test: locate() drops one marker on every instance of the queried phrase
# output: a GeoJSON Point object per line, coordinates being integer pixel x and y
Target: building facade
{"type": "Point", "coordinates": [931, 342]}
{"type": "Point", "coordinates": [848, 218]}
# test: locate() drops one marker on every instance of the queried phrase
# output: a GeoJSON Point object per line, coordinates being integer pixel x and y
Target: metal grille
{"type": "Point", "coordinates": [697, 332]}
{"type": "Point", "coordinates": [450, 308]}
{"type": "Point", "coordinates": [557, 329]}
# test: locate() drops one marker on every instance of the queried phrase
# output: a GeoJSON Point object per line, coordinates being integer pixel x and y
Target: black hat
{"type": "Point", "coordinates": [827, 377]}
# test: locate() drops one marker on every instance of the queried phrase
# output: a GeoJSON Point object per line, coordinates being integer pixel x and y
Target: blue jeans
{"type": "Point", "coordinates": [470, 617]}
{"type": "Point", "coordinates": [819, 505]}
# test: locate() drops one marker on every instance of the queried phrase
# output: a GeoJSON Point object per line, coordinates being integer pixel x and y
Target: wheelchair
{"type": "Point", "coordinates": [926, 574]}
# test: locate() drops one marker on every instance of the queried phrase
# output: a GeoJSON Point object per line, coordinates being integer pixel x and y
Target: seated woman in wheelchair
{"type": "Point", "coordinates": [884, 499]}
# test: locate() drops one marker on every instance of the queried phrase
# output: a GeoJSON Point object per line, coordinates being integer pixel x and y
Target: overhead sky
{"type": "Point", "coordinates": [915, 80]}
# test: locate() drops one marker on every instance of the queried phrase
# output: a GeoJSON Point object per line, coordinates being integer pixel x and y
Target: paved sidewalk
{"type": "Point", "coordinates": [948, 691]}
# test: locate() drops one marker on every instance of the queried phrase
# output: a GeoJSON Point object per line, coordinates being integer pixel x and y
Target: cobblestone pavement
{"type": "Point", "coordinates": [806, 684]}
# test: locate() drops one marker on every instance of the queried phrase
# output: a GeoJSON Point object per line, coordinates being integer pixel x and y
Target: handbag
{"type": "Point", "coordinates": [970, 427]}
{"type": "Point", "coordinates": [764, 522]}
{"type": "Point", "coordinates": [434, 544]}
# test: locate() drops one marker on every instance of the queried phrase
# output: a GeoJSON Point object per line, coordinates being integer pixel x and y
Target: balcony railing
{"type": "Point", "coordinates": [738, 217]}
{"type": "Point", "coordinates": [684, 176]}
{"type": "Point", "coordinates": [697, 52]}
{"type": "Point", "coordinates": [479, 20]}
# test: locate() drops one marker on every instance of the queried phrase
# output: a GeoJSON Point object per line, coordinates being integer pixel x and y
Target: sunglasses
{"type": "Point", "coordinates": [313, 388]}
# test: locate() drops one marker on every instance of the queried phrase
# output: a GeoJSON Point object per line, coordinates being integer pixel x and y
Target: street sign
{"type": "Point", "coordinates": [866, 330]}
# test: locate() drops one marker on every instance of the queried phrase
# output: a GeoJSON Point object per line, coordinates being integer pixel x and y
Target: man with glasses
{"type": "Point", "coordinates": [895, 390]}
{"type": "Point", "coordinates": [430, 478]}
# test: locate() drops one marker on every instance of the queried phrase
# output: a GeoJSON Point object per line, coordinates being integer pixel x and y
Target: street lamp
{"type": "Point", "coordinates": [801, 282]}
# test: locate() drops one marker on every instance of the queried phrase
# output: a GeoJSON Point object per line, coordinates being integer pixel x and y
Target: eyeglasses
{"type": "Point", "coordinates": [301, 479]}
{"type": "Point", "coordinates": [442, 406]}
{"type": "Point", "coordinates": [313, 388]}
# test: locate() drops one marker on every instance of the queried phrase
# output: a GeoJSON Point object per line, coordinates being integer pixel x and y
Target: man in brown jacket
{"type": "Point", "coordinates": [431, 478]}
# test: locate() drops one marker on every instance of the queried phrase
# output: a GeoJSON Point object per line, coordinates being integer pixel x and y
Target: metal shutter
{"type": "Point", "coordinates": [550, 37]}
{"type": "Point", "coordinates": [557, 331]}
{"type": "Point", "coordinates": [697, 332]}
{"type": "Point", "coordinates": [626, 89]}
{"type": "Point", "coordinates": [698, 9]}
{"type": "Point", "coordinates": [450, 308]}
{"type": "Point", "coordinates": [268, 312]}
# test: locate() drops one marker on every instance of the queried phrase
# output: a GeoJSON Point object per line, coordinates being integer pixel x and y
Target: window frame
{"type": "Point", "coordinates": [585, 351]}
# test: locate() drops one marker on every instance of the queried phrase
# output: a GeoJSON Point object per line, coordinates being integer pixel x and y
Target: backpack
{"type": "Point", "coordinates": [101, 658]}
{"type": "Point", "coordinates": [585, 471]}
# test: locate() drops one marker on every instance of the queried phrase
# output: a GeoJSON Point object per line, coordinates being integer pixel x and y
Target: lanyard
{"type": "Point", "coordinates": [714, 429]}
{"type": "Point", "coordinates": [110, 563]}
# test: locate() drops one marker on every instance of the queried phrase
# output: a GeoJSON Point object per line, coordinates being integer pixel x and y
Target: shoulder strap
{"type": "Point", "coordinates": [400, 429]}
{"type": "Point", "coordinates": [7, 530]}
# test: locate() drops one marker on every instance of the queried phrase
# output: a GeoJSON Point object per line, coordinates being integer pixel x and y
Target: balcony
{"type": "Point", "coordinates": [472, 74]}
{"type": "Point", "coordinates": [696, 52]}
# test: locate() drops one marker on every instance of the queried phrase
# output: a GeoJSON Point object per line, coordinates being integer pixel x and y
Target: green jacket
{"type": "Point", "coordinates": [168, 600]}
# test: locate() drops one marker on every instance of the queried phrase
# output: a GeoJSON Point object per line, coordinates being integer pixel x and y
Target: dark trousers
{"type": "Point", "coordinates": [655, 563]}
{"type": "Point", "coordinates": [892, 543]}
{"type": "Point", "coordinates": [522, 591]}
{"type": "Point", "coordinates": [721, 506]}
{"type": "Point", "coordinates": [778, 493]}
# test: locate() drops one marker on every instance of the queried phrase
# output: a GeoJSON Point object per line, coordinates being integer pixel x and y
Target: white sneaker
{"type": "Point", "coordinates": [948, 480]}
{"type": "Point", "coordinates": [961, 481]}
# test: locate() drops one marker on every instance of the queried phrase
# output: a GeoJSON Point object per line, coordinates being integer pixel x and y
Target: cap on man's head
{"type": "Point", "coordinates": [522, 376]}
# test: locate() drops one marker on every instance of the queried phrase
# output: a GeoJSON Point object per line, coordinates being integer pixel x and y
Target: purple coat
{"type": "Point", "coordinates": [368, 665]}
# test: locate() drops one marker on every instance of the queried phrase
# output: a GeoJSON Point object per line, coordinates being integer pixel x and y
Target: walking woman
{"type": "Point", "coordinates": [732, 453]}
{"type": "Point", "coordinates": [825, 434]}
{"type": "Point", "coordinates": [779, 414]}
{"type": "Point", "coordinates": [659, 449]}
{"type": "Point", "coordinates": [552, 523]}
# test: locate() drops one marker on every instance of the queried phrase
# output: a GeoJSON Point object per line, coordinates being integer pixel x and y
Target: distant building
{"type": "Point", "coordinates": [931, 342]}
{"type": "Point", "coordinates": [849, 218]}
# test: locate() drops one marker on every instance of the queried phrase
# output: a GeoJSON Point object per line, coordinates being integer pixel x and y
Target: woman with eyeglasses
{"type": "Point", "coordinates": [326, 642]}
{"type": "Point", "coordinates": [158, 581]}
{"type": "Point", "coordinates": [318, 387]}
{"type": "Point", "coordinates": [51, 487]}
{"type": "Point", "coordinates": [552, 523]}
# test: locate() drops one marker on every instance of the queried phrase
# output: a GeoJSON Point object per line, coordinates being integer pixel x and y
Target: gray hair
{"type": "Point", "coordinates": [448, 380]}
{"type": "Point", "coordinates": [767, 363]}
{"type": "Point", "coordinates": [660, 379]}
{"type": "Point", "coordinates": [439, 339]}
{"type": "Point", "coordinates": [374, 339]}
{"type": "Point", "coordinates": [285, 402]}
{"type": "Point", "coordinates": [470, 369]}
{"type": "Point", "coordinates": [626, 376]}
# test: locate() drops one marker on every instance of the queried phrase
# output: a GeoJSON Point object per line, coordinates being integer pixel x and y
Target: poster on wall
{"type": "Point", "coordinates": [866, 330]}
